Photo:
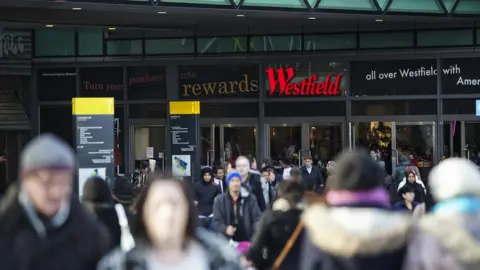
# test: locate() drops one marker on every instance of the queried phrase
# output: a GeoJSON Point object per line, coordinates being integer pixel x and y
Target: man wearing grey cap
{"type": "Point", "coordinates": [42, 226]}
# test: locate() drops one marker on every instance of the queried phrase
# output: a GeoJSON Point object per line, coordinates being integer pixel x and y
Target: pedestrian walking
{"type": "Point", "coordinates": [166, 235]}
{"type": "Point", "coordinates": [358, 230]}
{"type": "Point", "coordinates": [279, 231]}
{"type": "Point", "coordinates": [448, 237]}
{"type": "Point", "coordinates": [42, 226]}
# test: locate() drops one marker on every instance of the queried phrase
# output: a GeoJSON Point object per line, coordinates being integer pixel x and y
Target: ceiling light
{"type": "Point", "coordinates": [162, 12]}
{"type": "Point", "coordinates": [76, 8]}
{"type": "Point", "coordinates": [379, 20]}
{"type": "Point", "coordinates": [111, 28]}
{"type": "Point", "coordinates": [240, 15]}
{"type": "Point", "coordinates": [312, 18]}
{"type": "Point", "coordinates": [49, 25]}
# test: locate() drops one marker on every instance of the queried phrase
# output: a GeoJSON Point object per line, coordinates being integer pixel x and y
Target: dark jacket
{"type": "Point", "coordinates": [274, 229]}
{"type": "Point", "coordinates": [123, 191]}
{"type": "Point", "coordinates": [76, 243]}
{"type": "Point", "coordinates": [219, 255]}
{"type": "Point", "coordinates": [255, 183]}
{"type": "Point", "coordinates": [204, 194]}
{"type": "Point", "coordinates": [312, 181]}
{"type": "Point", "coordinates": [354, 238]}
{"type": "Point", "coordinates": [98, 199]}
{"type": "Point", "coordinates": [404, 164]}
{"type": "Point", "coordinates": [400, 206]}
{"type": "Point", "coordinates": [223, 212]}
{"type": "Point", "coordinates": [419, 189]}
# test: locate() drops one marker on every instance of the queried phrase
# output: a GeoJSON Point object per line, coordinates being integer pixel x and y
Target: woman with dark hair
{"type": "Point", "coordinates": [166, 235]}
{"type": "Point", "coordinates": [97, 198]}
{"type": "Point", "coordinates": [122, 191]}
{"type": "Point", "coordinates": [276, 229]}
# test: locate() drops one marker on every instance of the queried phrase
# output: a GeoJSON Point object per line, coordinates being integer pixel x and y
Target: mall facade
{"type": "Point", "coordinates": [406, 86]}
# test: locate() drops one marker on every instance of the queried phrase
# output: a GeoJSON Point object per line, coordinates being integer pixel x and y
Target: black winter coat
{"type": "Point", "coordinates": [77, 244]}
{"type": "Point", "coordinates": [312, 181]}
{"type": "Point", "coordinates": [205, 194]}
{"type": "Point", "coordinates": [274, 230]}
{"type": "Point", "coordinates": [256, 184]}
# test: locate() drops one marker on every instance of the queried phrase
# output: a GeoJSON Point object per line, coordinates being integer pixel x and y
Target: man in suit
{"type": "Point", "coordinates": [312, 178]}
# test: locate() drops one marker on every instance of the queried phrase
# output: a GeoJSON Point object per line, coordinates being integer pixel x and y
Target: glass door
{"type": "Point", "coordinates": [148, 142]}
{"type": "Point", "coordinates": [376, 137]}
{"type": "Point", "coordinates": [470, 141]}
{"type": "Point", "coordinates": [285, 144]}
{"type": "Point", "coordinates": [397, 143]}
{"type": "Point", "coordinates": [325, 142]}
{"type": "Point", "coordinates": [210, 145]}
{"type": "Point", "coordinates": [415, 144]}
{"type": "Point", "coordinates": [238, 140]}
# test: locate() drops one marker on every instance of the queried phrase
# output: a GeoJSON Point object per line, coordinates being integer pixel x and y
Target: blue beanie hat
{"type": "Point", "coordinates": [232, 175]}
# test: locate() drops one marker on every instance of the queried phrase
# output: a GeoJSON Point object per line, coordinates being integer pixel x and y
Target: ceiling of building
{"type": "Point", "coordinates": [430, 7]}
{"type": "Point", "coordinates": [237, 19]}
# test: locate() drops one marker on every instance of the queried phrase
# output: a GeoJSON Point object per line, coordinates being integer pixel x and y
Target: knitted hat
{"type": "Point", "coordinates": [232, 175]}
{"type": "Point", "coordinates": [356, 171]}
{"type": "Point", "coordinates": [454, 177]}
{"type": "Point", "coordinates": [46, 151]}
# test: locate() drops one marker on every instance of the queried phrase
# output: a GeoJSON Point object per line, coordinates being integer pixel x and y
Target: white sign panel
{"type": "Point", "coordinates": [85, 173]}
{"type": "Point", "coordinates": [181, 165]}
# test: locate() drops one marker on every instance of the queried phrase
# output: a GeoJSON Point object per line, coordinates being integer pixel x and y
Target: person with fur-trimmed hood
{"type": "Point", "coordinates": [358, 231]}
{"type": "Point", "coordinates": [448, 238]}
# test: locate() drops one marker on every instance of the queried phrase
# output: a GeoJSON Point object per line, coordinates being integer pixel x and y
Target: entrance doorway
{"type": "Point", "coordinates": [462, 139]}
{"type": "Point", "coordinates": [148, 142]}
{"type": "Point", "coordinates": [226, 142]}
{"type": "Point", "coordinates": [398, 143]}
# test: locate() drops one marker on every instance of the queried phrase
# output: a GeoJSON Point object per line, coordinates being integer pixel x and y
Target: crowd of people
{"type": "Point", "coordinates": [354, 216]}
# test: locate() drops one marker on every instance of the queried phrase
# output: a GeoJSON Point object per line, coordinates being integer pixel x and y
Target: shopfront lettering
{"type": "Point", "coordinates": [401, 73]}
{"type": "Point", "coordinates": [87, 85]}
{"type": "Point", "coordinates": [145, 78]}
{"type": "Point", "coordinates": [230, 87]}
{"type": "Point", "coordinates": [456, 70]}
{"type": "Point", "coordinates": [282, 79]}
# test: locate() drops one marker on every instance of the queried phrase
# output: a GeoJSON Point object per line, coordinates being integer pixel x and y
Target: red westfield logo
{"type": "Point", "coordinates": [307, 87]}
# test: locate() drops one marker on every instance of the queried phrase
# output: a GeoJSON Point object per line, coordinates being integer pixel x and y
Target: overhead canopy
{"type": "Point", "coordinates": [446, 7]}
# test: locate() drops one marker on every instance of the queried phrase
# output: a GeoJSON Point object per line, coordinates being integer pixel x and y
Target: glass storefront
{"type": "Point", "coordinates": [389, 106]}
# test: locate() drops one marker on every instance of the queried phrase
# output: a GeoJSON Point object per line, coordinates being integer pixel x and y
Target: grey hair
{"type": "Point", "coordinates": [244, 158]}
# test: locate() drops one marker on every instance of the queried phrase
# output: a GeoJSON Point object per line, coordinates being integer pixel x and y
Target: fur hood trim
{"type": "Point", "coordinates": [283, 205]}
{"type": "Point", "coordinates": [373, 232]}
{"type": "Point", "coordinates": [459, 241]}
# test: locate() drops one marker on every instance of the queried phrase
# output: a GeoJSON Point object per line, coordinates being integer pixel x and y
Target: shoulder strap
{"type": "Point", "coordinates": [288, 246]}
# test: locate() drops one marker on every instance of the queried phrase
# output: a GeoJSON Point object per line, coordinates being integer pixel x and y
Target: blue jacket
{"type": "Point", "coordinates": [400, 206]}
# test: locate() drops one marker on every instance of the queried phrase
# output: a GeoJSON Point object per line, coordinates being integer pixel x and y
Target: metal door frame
{"type": "Point", "coordinates": [463, 138]}
{"type": "Point", "coordinates": [141, 123]}
{"type": "Point", "coordinates": [433, 124]}
{"type": "Point", "coordinates": [304, 123]}
{"type": "Point", "coordinates": [396, 121]}
{"type": "Point", "coordinates": [222, 123]}
{"type": "Point", "coordinates": [341, 123]}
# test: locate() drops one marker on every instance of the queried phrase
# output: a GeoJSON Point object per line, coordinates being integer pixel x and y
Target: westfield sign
{"type": "Point", "coordinates": [280, 81]}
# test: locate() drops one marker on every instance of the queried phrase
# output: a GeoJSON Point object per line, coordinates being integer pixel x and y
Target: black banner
{"type": "Point", "coordinates": [197, 82]}
{"type": "Point", "coordinates": [394, 78]}
{"type": "Point", "coordinates": [184, 140]}
{"type": "Point", "coordinates": [95, 147]}
{"type": "Point", "coordinates": [102, 82]}
{"type": "Point", "coordinates": [460, 76]}
{"type": "Point", "coordinates": [57, 84]}
{"type": "Point", "coordinates": [146, 83]}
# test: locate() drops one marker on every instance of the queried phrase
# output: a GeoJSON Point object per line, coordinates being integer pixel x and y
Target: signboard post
{"type": "Point", "coordinates": [185, 128]}
{"type": "Point", "coordinates": [94, 129]}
